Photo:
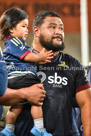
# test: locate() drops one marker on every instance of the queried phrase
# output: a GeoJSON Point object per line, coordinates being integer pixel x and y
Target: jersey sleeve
{"type": "Point", "coordinates": [3, 76]}
{"type": "Point", "coordinates": [82, 82]}
{"type": "Point", "coordinates": [18, 48]}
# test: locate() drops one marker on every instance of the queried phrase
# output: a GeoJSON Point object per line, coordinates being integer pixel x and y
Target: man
{"type": "Point", "coordinates": [61, 85]}
{"type": "Point", "coordinates": [63, 79]}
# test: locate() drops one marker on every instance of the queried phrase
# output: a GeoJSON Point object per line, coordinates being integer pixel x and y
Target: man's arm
{"type": "Point", "coordinates": [35, 94]}
{"type": "Point", "coordinates": [84, 101]}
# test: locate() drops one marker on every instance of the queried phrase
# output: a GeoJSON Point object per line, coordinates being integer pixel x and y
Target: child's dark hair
{"type": "Point", "coordinates": [9, 19]}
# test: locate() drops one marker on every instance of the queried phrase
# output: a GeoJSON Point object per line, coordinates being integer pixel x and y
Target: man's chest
{"type": "Point", "coordinates": [55, 77]}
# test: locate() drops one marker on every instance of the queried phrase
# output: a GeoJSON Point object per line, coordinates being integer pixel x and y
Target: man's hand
{"type": "Point", "coordinates": [35, 94]}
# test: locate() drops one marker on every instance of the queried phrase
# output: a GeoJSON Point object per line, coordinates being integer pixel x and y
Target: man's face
{"type": "Point", "coordinates": [52, 34]}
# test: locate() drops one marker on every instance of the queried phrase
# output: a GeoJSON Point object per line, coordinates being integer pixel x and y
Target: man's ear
{"type": "Point", "coordinates": [36, 31]}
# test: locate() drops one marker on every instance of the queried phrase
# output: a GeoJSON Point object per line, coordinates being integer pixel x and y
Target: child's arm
{"type": "Point", "coordinates": [42, 57]}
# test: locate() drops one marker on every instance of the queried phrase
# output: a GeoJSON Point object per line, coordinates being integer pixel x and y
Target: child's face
{"type": "Point", "coordinates": [21, 30]}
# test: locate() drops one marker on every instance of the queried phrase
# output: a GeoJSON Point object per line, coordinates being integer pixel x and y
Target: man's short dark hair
{"type": "Point", "coordinates": [39, 18]}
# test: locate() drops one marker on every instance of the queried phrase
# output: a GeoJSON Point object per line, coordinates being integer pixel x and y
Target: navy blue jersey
{"type": "Point", "coordinates": [14, 52]}
{"type": "Point", "coordinates": [3, 78]}
{"type": "Point", "coordinates": [62, 79]}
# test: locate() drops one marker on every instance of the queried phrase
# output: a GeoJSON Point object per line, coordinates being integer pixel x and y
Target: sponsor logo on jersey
{"type": "Point", "coordinates": [55, 80]}
{"type": "Point", "coordinates": [42, 76]}
{"type": "Point", "coordinates": [63, 64]}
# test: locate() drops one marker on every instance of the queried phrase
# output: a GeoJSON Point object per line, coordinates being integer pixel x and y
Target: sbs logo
{"type": "Point", "coordinates": [57, 79]}
{"type": "Point", "coordinates": [53, 79]}
{"type": "Point", "coordinates": [42, 76]}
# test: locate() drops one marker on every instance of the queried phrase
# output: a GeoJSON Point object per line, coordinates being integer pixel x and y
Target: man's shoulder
{"type": "Point", "coordinates": [70, 59]}
{"type": "Point", "coordinates": [67, 56]}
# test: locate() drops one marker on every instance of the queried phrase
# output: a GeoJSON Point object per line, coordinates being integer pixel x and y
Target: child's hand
{"type": "Point", "coordinates": [45, 56]}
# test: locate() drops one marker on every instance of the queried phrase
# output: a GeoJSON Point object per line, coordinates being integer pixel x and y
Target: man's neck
{"type": "Point", "coordinates": [37, 46]}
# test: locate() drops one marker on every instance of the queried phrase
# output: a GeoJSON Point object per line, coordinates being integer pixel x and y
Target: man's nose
{"type": "Point", "coordinates": [58, 31]}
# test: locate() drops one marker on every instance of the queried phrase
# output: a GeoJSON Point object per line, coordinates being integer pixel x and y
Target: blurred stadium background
{"type": "Point", "coordinates": [70, 13]}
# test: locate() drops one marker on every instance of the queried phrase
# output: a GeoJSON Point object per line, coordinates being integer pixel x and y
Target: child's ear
{"type": "Point", "coordinates": [11, 30]}
{"type": "Point", "coordinates": [36, 31]}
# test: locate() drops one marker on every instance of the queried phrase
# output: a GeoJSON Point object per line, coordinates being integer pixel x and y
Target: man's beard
{"type": "Point", "coordinates": [49, 45]}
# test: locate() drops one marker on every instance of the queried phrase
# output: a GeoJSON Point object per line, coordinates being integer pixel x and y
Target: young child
{"type": "Point", "coordinates": [21, 64]}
